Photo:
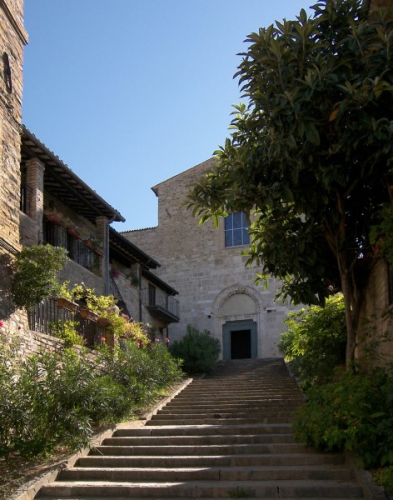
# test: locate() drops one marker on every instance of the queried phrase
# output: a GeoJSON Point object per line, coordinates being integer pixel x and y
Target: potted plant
{"type": "Point", "coordinates": [86, 313]}
{"type": "Point", "coordinates": [54, 216]}
{"type": "Point", "coordinates": [65, 298]}
{"type": "Point", "coordinates": [94, 244]}
{"type": "Point", "coordinates": [73, 229]}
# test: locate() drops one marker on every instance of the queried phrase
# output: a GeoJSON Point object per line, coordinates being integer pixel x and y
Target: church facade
{"type": "Point", "coordinates": [217, 291]}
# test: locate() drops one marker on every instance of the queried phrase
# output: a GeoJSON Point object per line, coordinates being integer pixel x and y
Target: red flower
{"type": "Point", "coordinates": [103, 339]}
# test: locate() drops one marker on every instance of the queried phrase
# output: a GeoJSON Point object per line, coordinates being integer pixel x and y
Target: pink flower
{"type": "Point", "coordinates": [103, 339]}
{"type": "Point", "coordinates": [1, 323]}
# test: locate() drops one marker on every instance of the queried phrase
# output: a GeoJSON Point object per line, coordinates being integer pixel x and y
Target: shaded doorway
{"type": "Point", "coordinates": [239, 339]}
{"type": "Point", "coordinates": [241, 344]}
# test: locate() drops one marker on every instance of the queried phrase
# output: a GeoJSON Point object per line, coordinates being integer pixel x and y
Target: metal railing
{"type": "Point", "coordinates": [160, 299]}
{"type": "Point", "coordinates": [45, 317]}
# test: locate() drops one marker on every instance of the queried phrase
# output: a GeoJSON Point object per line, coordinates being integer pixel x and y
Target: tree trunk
{"type": "Point", "coordinates": [350, 321]}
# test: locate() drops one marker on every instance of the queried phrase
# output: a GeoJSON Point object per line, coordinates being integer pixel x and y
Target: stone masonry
{"type": "Point", "coordinates": [216, 290]}
{"type": "Point", "coordinates": [13, 38]}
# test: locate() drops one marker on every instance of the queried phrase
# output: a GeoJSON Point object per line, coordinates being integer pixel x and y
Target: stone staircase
{"type": "Point", "coordinates": [227, 435]}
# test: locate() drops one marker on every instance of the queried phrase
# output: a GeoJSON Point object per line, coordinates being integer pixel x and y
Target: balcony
{"type": "Point", "coordinates": [162, 307]}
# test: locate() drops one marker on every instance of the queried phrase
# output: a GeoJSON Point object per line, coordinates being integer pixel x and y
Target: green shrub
{"type": "Point", "coordinates": [35, 276]}
{"type": "Point", "coordinates": [315, 341]}
{"type": "Point", "coordinates": [198, 350]}
{"type": "Point", "coordinates": [42, 406]}
{"type": "Point", "coordinates": [66, 331]}
{"type": "Point", "coordinates": [140, 370]}
{"type": "Point", "coordinates": [51, 400]}
{"type": "Point", "coordinates": [354, 413]}
{"type": "Point", "coordinates": [384, 477]}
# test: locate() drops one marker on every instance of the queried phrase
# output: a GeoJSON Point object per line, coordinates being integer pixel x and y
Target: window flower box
{"type": "Point", "coordinates": [87, 314]}
{"type": "Point", "coordinates": [67, 304]}
{"type": "Point", "coordinates": [103, 321]}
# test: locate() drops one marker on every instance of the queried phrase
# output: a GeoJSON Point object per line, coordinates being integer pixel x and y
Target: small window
{"type": "Point", "coordinates": [236, 230]}
{"type": "Point", "coordinates": [152, 295]}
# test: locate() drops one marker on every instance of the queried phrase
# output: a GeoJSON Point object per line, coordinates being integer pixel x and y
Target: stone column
{"type": "Point", "coordinates": [35, 184]}
{"type": "Point", "coordinates": [102, 225]}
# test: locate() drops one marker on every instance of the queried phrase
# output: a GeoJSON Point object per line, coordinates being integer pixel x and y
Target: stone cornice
{"type": "Point", "coordinates": [20, 30]}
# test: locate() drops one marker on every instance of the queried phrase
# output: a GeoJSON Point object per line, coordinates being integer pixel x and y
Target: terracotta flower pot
{"type": "Point", "coordinates": [87, 314]}
{"type": "Point", "coordinates": [103, 322]}
{"type": "Point", "coordinates": [73, 232]}
{"type": "Point", "coordinates": [63, 303]}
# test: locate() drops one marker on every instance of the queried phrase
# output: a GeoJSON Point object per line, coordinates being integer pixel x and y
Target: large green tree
{"type": "Point", "coordinates": [310, 153]}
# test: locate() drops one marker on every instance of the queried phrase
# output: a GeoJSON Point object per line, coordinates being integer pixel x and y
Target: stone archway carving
{"type": "Point", "coordinates": [230, 291]}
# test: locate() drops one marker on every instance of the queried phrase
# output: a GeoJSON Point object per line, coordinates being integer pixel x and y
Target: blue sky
{"type": "Point", "coordinates": [129, 93]}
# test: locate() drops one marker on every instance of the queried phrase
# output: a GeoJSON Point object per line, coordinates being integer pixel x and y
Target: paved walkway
{"type": "Point", "coordinates": [227, 435]}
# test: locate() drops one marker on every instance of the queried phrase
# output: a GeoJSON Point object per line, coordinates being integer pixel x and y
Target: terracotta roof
{"type": "Point", "coordinates": [159, 282]}
{"type": "Point", "coordinates": [62, 182]}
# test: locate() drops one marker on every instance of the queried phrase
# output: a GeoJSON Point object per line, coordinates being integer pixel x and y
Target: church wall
{"type": "Point", "coordinates": [195, 261]}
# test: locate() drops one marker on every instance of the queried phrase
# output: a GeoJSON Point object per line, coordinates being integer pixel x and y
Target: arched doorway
{"type": "Point", "coordinates": [238, 313]}
{"type": "Point", "coordinates": [240, 339]}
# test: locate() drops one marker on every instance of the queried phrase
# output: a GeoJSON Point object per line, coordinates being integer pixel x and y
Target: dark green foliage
{"type": "Point", "coordinates": [49, 401]}
{"type": "Point", "coordinates": [310, 153]}
{"type": "Point", "coordinates": [315, 341]}
{"type": "Point", "coordinates": [35, 276]}
{"type": "Point", "coordinates": [354, 413]}
{"type": "Point", "coordinates": [384, 477]}
{"type": "Point", "coordinates": [142, 372]}
{"type": "Point", "coordinates": [198, 350]}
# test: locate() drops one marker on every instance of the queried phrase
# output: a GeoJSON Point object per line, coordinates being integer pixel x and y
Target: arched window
{"type": "Point", "coordinates": [236, 230]}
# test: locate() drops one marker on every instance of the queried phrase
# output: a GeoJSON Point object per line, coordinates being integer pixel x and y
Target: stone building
{"type": "Point", "coordinates": [217, 291]}
{"type": "Point", "coordinates": [58, 208]}
{"type": "Point", "coordinates": [13, 38]}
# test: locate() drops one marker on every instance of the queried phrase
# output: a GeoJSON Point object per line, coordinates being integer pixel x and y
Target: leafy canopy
{"type": "Point", "coordinates": [310, 149]}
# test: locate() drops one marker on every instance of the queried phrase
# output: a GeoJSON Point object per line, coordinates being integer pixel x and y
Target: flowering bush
{"type": "Point", "coordinates": [42, 407]}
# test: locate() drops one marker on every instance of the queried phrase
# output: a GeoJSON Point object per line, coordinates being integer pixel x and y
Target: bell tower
{"type": "Point", "coordinates": [13, 38]}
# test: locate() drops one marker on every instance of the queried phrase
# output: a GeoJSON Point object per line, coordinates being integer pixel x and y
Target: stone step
{"type": "Point", "coordinates": [239, 494]}
{"type": "Point", "coordinates": [230, 410]}
{"type": "Point", "coordinates": [205, 430]}
{"type": "Point", "coordinates": [203, 489]}
{"type": "Point", "coordinates": [174, 474]}
{"type": "Point", "coordinates": [282, 459]}
{"type": "Point", "coordinates": [210, 440]}
{"type": "Point", "coordinates": [237, 403]}
{"type": "Point", "coordinates": [224, 436]}
{"type": "Point", "coordinates": [203, 450]}
{"type": "Point", "coordinates": [218, 421]}
{"type": "Point", "coordinates": [244, 393]}
{"type": "Point", "coordinates": [193, 413]}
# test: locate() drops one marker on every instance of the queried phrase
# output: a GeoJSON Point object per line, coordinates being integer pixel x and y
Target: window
{"type": "Point", "coordinates": [152, 295]}
{"type": "Point", "coordinates": [236, 230]}
{"type": "Point", "coordinates": [77, 251]}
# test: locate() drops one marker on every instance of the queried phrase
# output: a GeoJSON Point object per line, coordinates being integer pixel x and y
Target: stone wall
{"type": "Point", "coordinates": [207, 275]}
{"type": "Point", "coordinates": [12, 40]}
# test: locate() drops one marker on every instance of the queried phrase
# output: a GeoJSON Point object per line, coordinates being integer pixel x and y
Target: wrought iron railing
{"type": "Point", "coordinates": [160, 299]}
{"type": "Point", "coordinates": [45, 317]}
